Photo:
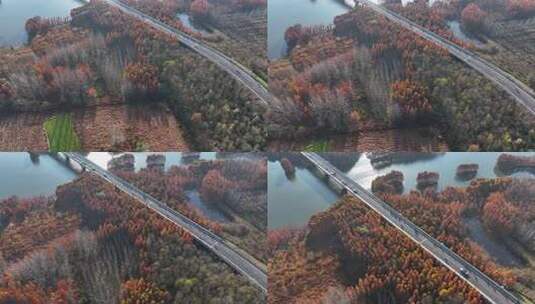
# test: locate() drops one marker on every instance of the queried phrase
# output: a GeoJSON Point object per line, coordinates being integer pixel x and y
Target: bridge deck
{"type": "Point", "coordinates": [207, 238]}
{"type": "Point", "coordinates": [491, 290]}
{"type": "Point", "coordinates": [522, 93]}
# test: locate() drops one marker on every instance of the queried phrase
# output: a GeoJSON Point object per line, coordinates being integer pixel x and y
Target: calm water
{"type": "Point", "coordinates": [455, 28]}
{"type": "Point", "coordinates": [21, 176]}
{"type": "Point", "coordinates": [186, 20]}
{"type": "Point", "coordinates": [14, 13]}
{"type": "Point", "coordinates": [285, 13]}
{"type": "Point", "coordinates": [291, 203]}
{"type": "Point", "coordinates": [204, 208]}
{"type": "Point", "coordinates": [445, 164]}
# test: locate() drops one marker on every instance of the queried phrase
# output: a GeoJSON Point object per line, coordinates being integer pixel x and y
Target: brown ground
{"type": "Point", "coordinates": [394, 140]}
{"type": "Point", "coordinates": [22, 132]}
{"type": "Point", "coordinates": [101, 128]}
{"type": "Point", "coordinates": [129, 128]}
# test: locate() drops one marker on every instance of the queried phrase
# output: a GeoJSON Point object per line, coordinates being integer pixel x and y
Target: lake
{"type": "Point", "coordinates": [187, 22]}
{"type": "Point", "coordinates": [285, 13]}
{"type": "Point", "coordinates": [23, 176]}
{"type": "Point", "coordinates": [292, 202]}
{"type": "Point", "coordinates": [14, 13]}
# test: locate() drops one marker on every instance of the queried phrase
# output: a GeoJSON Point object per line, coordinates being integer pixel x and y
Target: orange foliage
{"type": "Point", "coordinates": [521, 8]}
{"type": "Point", "coordinates": [472, 17]}
{"type": "Point", "coordinates": [35, 231]}
{"type": "Point", "coordinates": [499, 215]}
{"type": "Point", "coordinates": [143, 76]}
{"type": "Point", "coordinates": [65, 293]}
{"type": "Point", "coordinates": [411, 98]}
{"type": "Point", "coordinates": [139, 291]}
{"type": "Point", "coordinates": [199, 8]}
{"type": "Point", "coordinates": [213, 186]}
{"type": "Point", "coordinates": [24, 294]}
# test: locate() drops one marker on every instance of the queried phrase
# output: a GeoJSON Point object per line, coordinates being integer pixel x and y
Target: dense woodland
{"type": "Point", "coordinates": [238, 188]}
{"type": "Point", "coordinates": [348, 254]}
{"type": "Point", "coordinates": [366, 73]}
{"type": "Point", "coordinates": [90, 243]}
{"type": "Point", "coordinates": [101, 56]}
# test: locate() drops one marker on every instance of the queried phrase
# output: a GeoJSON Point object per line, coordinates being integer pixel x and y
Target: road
{"type": "Point", "coordinates": [235, 69]}
{"type": "Point", "coordinates": [487, 287]}
{"type": "Point", "coordinates": [214, 243]}
{"type": "Point", "coordinates": [516, 88]}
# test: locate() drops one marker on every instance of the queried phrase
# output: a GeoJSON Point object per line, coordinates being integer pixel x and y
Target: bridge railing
{"type": "Point", "coordinates": [214, 238]}
{"type": "Point", "coordinates": [451, 44]}
{"type": "Point", "coordinates": [363, 193]}
{"type": "Point", "coordinates": [252, 75]}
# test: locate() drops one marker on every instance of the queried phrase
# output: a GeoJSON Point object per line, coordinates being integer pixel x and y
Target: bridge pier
{"type": "Point", "coordinates": [335, 186]}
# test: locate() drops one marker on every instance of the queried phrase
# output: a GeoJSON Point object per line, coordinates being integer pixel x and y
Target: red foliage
{"type": "Point", "coordinates": [472, 17]}
{"type": "Point", "coordinates": [521, 8]}
{"type": "Point", "coordinates": [199, 8]}
{"type": "Point", "coordinates": [293, 35]}
{"type": "Point", "coordinates": [278, 239]}
{"type": "Point", "coordinates": [25, 294]}
{"type": "Point", "coordinates": [65, 293]}
{"type": "Point", "coordinates": [213, 186]}
{"type": "Point", "coordinates": [144, 77]}
{"type": "Point", "coordinates": [499, 215]}
{"type": "Point", "coordinates": [5, 90]}
{"type": "Point", "coordinates": [411, 98]}
{"type": "Point", "coordinates": [251, 4]}
{"type": "Point", "coordinates": [39, 25]}
{"type": "Point", "coordinates": [139, 291]}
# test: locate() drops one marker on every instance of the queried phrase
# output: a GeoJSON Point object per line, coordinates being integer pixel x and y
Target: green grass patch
{"type": "Point", "coordinates": [318, 146]}
{"type": "Point", "coordinates": [60, 133]}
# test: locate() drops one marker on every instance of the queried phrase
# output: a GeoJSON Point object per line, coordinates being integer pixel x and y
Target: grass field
{"type": "Point", "coordinates": [318, 146]}
{"type": "Point", "coordinates": [60, 133]}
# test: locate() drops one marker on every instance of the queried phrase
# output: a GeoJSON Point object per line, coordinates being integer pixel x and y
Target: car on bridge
{"type": "Point", "coordinates": [464, 272]}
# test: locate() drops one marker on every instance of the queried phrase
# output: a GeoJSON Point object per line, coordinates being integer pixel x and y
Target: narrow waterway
{"type": "Point", "coordinates": [15, 13]}
{"type": "Point", "coordinates": [187, 22]}
{"type": "Point", "coordinates": [500, 253]}
{"type": "Point", "coordinates": [207, 210]}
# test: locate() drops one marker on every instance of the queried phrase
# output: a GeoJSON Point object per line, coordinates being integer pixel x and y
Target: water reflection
{"type": "Point", "coordinates": [207, 210]}
{"type": "Point", "coordinates": [171, 158]}
{"type": "Point", "coordinates": [14, 13]}
{"type": "Point", "coordinates": [292, 202]}
{"type": "Point", "coordinates": [285, 13]}
{"type": "Point", "coordinates": [24, 174]}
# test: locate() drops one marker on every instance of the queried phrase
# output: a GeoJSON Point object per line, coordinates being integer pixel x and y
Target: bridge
{"type": "Point", "coordinates": [231, 66]}
{"type": "Point", "coordinates": [225, 250]}
{"type": "Point", "coordinates": [487, 287]}
{"type": "Point", "coordinates": [522, 93]}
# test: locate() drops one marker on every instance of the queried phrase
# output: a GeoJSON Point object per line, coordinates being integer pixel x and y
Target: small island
{"type": "Point", "coordinates": [467, 171]}
{"type": "Point", "coordinates": [125, 162]}
{"type": "Point", "coordinates": [289, 168]}
{"type": "Point", "coordinates": [389, 183]}
{"type": "Point", "coordinates": [508, 164]}
{"type": "Point", "coordinates": [427, 180]}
